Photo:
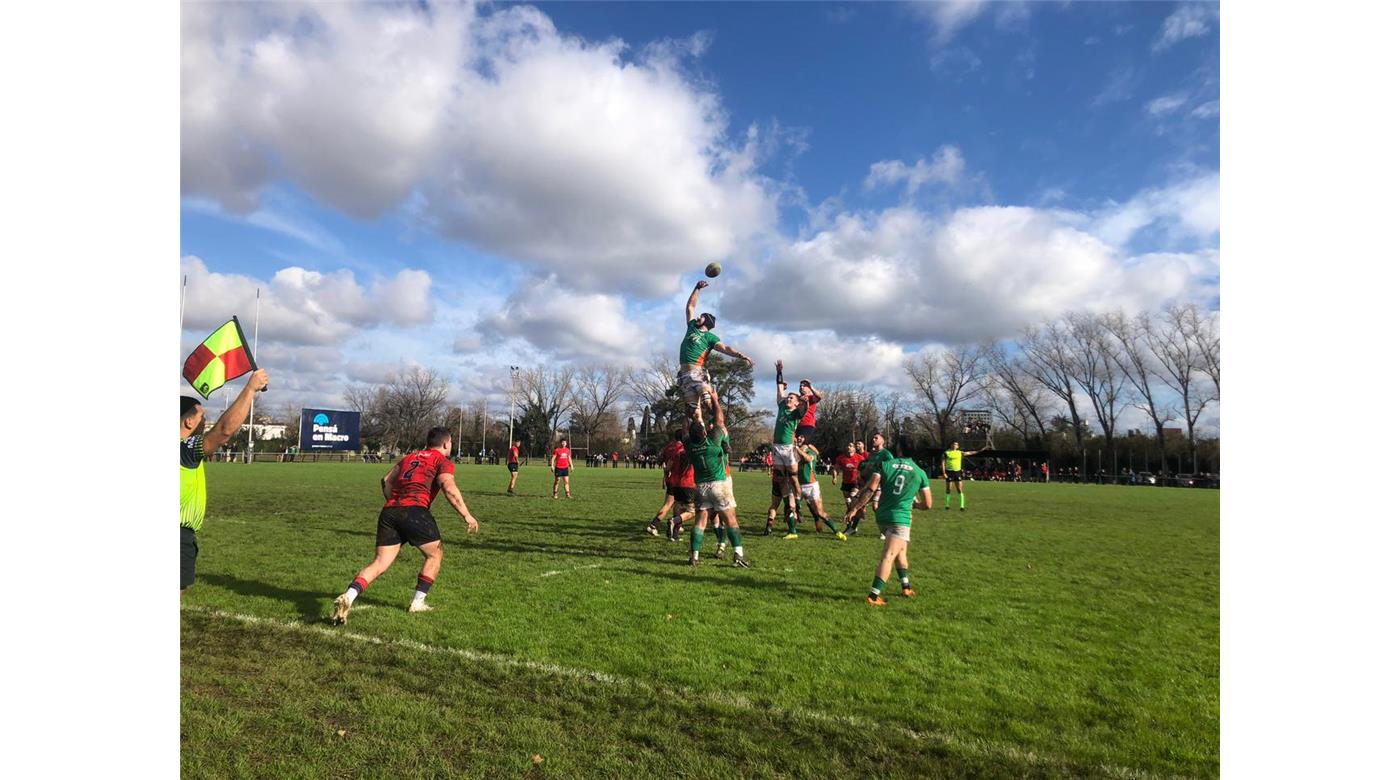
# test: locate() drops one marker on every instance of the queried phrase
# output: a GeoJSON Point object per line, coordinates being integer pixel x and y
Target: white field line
{"type": "Point", "coordinates": [973, 746]}
{"type": "Point", "coordinates": [576, 568]}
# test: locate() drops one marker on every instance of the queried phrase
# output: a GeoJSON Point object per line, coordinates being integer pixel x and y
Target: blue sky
{"type": "Point", "coordinates": [464, 187]}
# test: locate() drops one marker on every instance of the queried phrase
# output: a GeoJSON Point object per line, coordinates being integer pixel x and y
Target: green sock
{"type": "Point", "coordinates": [877, 586]}
{"type": "Point", "coordinates": [855, 521]}
{"type": "Point", "coordinates": [697, 538]}
{"type": "Point", "coordinates": [829, 524]}
{"type": "Point", "coordinates": [903, 576]}
{"type": "Point", "coordinates": [734, 538]}
{"type": "Point", "coordinates": [947, 499]}
{"type": "Point", "coordinates": [962, 500]}
{"type": "Point", "coordinates": [792, 523]}
{"type": "Point", "coordinates": [719, 534]}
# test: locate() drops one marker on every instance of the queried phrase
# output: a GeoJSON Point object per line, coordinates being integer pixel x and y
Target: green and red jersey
{"type": "Point", "coordinates": [696, 345]}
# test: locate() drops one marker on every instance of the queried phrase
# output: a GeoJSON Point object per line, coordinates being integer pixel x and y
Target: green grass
{"type": "Point", "coordinates": [1059, 631]}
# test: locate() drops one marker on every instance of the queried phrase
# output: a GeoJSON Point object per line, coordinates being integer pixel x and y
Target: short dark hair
{"type": "Point", "coordinates": [438, 436]}
{"type": "Point", "coordinates": [707, 320]}
{"type": "Point", "coordinates": [188, 406]}
{"type": "Point", "coordinates": [697, 432]}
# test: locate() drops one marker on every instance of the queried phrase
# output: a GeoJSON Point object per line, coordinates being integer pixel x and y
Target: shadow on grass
{"type": "Point", "coordinates": [311, 604]}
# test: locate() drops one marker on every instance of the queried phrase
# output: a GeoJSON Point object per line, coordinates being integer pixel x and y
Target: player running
{"type": "Point", "coordinates": [654, 527]}
{"type": "Point", "coordinates": [513, 464]}
{"type": "Point", "coordinates": [952, 473]}
{"type": "Point", "coordinates": [848, 468]}
{"type": "Point", "coordinates": [791, 409]}
{"type": "Point", "coordinates": [563, 462]}
{"type": "Point", "coordinates": [695, 348]}
{"type": "Point", "coordinates": [409, 490]}
{"type": "Point", "coordinates": [905, 487]}
{"type": "Point", "coordinates": [812, 490]}
{"type": "Point", "coordinates": [714, 491]}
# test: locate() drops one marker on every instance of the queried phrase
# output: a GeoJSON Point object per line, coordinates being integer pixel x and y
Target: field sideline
{"type": "Point", "coordinates": [1059, 631]}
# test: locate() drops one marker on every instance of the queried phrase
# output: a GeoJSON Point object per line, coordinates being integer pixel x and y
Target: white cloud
{"type": "Point", "coordinates": [1206, 110]}
{"type": "Point", "coordinates": [949, 16]}
{"type": "Point", "coordinates": [821, 356]}
{"type": "Point", "coordinates": [566, 324]}
{"type": "Point", "coordinates": [1181, 212]}
{"type": "Point", "coordinates": [1189, 20]}
{"type": "Point", "coordinates": [1165, 104]}
{"type": "Point", "coordinates": [299, 306]}
{"type": "Point", "coordinates": [908, 277]}
{"type": "Point", "coordinates": [1119, 87]}
{"type": "Point", "coordinates": [494, 129]}
{"type": "Point", "coordinates": [945, 167]}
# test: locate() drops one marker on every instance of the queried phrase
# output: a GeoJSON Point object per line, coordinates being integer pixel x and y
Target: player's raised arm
{"type": "Point", "coordinates": [228, 423]}
{"type": "Point", "coordinates": [732, 352]}
{"type": "Point", "coordinates": [454, 497]}
{"type": "Point", "coordinates": [782, 386]}
{"type": "Point", "coordinates": [694, 300]}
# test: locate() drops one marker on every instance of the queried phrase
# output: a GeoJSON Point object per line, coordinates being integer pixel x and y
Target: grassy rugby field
{"type": "Point", "coordinates": [1058, 631]}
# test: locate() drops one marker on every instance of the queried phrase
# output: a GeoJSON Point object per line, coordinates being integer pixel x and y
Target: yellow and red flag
{"type": "Point", "coordinates": [223, 357]}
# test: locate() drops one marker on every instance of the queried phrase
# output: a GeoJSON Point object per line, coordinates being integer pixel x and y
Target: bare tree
{"type": "Point", "coordinates": [944, 380]}
{"type": "Point", "coordinates": [596, 391]}
{"type": "Point", "coordinates": [1049, 360]}
{"type": "Point", "coordinates": [414, 401]}
{"type": "Point", "coordinates": [1179, 364]}
{"type": "Point", "coordinates": [547, 392]}
{"type": "Point", "coordinates": [1017, 398]}
{"type": "Point", "coordinates": [1095, 369]}
{"type": "Point", "coordinates": [1205, 335]}
{"type": "Point", "coordinates": [1138, 364]}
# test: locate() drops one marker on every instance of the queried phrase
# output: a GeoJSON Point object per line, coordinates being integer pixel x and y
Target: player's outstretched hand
{"type": "Point", "coordinates": [258, 379]}
{"type": "Point", "coordinates": [779, 365]}
{"type": "Point", "coordinates": [472, 526]}
{"type": "Point", "coordinates": [702, 284]}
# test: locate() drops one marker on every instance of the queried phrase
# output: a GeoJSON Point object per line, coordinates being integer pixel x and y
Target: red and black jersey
{"type": "Point", "coordinates": [514, 455]}
{"type": "Point", "coordinates": [416, 484]}
{"type": "Point", "coordinates": [680, 472]}
{"type": "Point", "coordinates": [850, 469]}
{"type": "Point", "coordinates": [562, 458]}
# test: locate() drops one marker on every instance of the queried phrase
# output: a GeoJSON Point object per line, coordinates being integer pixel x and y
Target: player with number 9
{"type": "Point", "coordinates": [903, 487]}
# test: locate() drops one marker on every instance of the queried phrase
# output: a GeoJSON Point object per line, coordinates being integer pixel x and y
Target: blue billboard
{"type": "Point", "coordinates": [327, 429]}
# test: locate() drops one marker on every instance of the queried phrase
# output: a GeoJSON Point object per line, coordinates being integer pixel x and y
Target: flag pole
{"type": "Point", "coordinates": [184, 282]}
{"type": "Point", "coordinates": [257, 310]}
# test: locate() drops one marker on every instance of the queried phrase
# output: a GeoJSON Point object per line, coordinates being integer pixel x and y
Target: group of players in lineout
{"type": "Point", "coordinates": [697, 478]}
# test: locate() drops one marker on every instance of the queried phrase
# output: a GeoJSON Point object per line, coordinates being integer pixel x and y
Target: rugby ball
{"type": "Point", "coordinates": [712, 270]}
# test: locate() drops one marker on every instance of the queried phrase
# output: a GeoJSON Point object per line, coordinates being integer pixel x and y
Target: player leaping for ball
{"type": "Point", "coordinates": [695, 348]}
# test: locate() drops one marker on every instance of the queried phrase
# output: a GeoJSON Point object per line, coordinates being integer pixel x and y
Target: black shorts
{"type": "Point", "coordinates": [561, 472]}
{"type": "Point", "coordinates": [806, 431]}
{"type": "Point", "coordinates": [849, 489]}
{"type": "Point", "coordinates": [412, 524]}
{"type": "Point", "coordinates": [514, 467]}
{"type": "Point", "coordinates": [189, 550]}
{"type": "Point", "coordinates": [682, 495]}
{"type": "Point", "coordinates": [954, 476]}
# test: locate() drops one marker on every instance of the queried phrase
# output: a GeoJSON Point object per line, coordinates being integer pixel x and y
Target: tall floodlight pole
{"type": "Point", "coordinates": [461, 412]}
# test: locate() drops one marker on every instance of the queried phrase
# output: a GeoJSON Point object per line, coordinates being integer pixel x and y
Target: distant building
{"type": "Point", "coordinates": [262, 432]}
{"type": "Point", "coordinates": [1173, 433]}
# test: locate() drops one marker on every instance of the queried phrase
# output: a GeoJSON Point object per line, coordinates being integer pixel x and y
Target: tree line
{"type": "Point", "coordinates": [1060, 386]}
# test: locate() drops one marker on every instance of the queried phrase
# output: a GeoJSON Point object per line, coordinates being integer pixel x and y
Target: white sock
{"type": "Point", "coordinates": [350, 595]}
{"type": "Point", "coordinates": [419, 596]}
{"type": "Point", "coordinates": [739, 551]}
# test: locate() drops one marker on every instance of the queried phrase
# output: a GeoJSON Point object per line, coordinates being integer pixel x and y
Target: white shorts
{"type": "Point", "coordinates": [812, 491]}
{"type": "Point", "coordinates": [692, 380]}
{"type": "Point", "coordinates": [896, 530]}
{"type": "Point", "coordinates": [783, 456]}
{"type": "Point", "coordinates": [715, 496]}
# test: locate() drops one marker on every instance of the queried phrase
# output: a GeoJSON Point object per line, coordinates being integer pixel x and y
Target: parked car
{"type": "Point", "coordinates": [1185, 480]}
{"type": "Point", "coordinates": [1146, 478]}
